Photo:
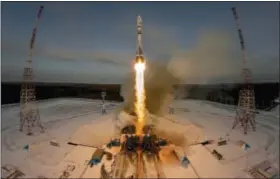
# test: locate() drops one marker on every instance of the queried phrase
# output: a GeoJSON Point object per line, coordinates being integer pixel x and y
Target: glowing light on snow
{"type": "Point", "coordinates": [140, 96]}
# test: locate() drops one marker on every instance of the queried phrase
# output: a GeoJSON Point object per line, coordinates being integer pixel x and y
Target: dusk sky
{"type": "Point", "coordinates": [95, 42]}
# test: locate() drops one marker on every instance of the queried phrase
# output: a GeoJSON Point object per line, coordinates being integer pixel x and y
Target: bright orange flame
{"type": "Point", "coordinates": [140, 108]}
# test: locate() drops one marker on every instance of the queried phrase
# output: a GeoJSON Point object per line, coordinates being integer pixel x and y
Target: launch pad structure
{"type": "Point", "coordinates": [245, 113]}
{"type": "Point", "coordinates": [29, 111]}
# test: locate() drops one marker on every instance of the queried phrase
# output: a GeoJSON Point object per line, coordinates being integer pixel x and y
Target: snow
{"type": "Point", "coordinates": [79, 119]}
{"type": "Point", "coordinates": [277, 100]}
{"type": "Point", "coordinates": [77, 157]}
{"type": "Point", "coordinates": [94, 134]}
{"type": "Point", "coordinates": [205, 164]}
{"type": "Point", "coordinates": [275, 111]}
{"type": "Point", "coordinates": [179, 172]}
{"type": "Point", "coordinates": [60, 126]}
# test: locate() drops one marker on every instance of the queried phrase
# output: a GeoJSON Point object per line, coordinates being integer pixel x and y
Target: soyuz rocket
{"type": "Point", "coordinates": [139, 51]}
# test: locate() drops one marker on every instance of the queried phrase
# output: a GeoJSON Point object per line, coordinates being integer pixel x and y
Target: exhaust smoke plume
{"type": "Point", "coordinates": [208, 59]}
{"type": "Point", "coordinates": [158, 88]}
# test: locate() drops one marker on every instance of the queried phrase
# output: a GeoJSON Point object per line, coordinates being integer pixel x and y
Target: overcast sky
{"type": "Point", "coordinates": [95, 42]}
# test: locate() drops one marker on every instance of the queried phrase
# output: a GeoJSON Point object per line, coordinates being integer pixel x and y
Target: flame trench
{"type": "Point", "coordinates": [140, 96]}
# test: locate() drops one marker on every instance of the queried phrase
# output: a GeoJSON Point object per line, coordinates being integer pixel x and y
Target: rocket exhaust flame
{"type": "Point", "coordinates": [140, 108]}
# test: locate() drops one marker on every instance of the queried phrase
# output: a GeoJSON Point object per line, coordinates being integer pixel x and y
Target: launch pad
{"type": "Point", "coordinates": [148, 143]}
{"type": "Point", "coordinates": [140, 152]}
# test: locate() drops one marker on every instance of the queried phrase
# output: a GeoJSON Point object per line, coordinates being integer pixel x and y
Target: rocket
{"type": "Point", "coordinates": [139, 51]}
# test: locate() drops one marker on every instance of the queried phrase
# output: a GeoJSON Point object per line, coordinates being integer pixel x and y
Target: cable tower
{"type": "Point", "coordinates": [245, 113]}
{"type": "Point", "coordinates": [29, 112]}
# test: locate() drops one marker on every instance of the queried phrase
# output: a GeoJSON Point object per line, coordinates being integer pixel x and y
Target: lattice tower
{"type": "Point", "coordinates": [245, 113]}
{"type": "Point", "coordinates": [29, 112]}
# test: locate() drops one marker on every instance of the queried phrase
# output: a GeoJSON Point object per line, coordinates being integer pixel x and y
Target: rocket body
{"type": "Point", "coordinates": [139, 51]}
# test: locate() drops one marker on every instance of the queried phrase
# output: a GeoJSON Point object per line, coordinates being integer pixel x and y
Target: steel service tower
{"type": "Point", "coordinates": [139, 52]}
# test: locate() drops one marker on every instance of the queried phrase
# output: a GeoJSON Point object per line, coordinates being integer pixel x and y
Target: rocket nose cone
{"type": "Point", "coordinates": [139, 18]}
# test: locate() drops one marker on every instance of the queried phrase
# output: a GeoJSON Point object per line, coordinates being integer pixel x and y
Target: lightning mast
{"type": "Point", "coordinates": [29, 112]}
{"type": "Point", "coordinates": [245, 113]}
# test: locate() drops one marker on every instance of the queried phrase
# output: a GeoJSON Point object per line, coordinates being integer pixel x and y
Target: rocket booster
{"type": "Point", "coordinates": [139, 51]}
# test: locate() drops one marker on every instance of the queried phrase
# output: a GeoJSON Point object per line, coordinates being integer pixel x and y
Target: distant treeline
{"type": "Point", "coordinates": [265, 93]}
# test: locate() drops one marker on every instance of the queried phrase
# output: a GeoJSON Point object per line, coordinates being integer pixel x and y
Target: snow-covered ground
{"type": "Point", "coordinates": [63, 117]}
